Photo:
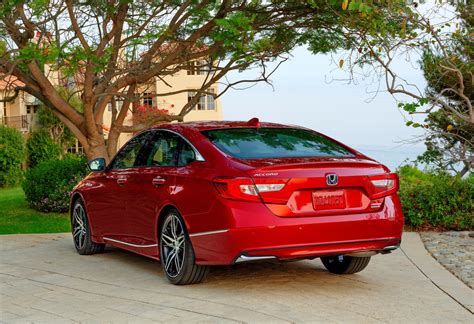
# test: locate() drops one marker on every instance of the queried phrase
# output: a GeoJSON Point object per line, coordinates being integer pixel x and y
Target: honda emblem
{"type": "Point", "coordinates": [332, 179]}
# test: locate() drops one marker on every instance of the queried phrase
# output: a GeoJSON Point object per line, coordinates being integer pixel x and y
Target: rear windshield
{"type": "Point", "coordinates": [262, 143]}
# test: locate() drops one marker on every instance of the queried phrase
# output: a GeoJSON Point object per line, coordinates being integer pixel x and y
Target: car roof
{"type": "Point", "coordinates": [188, 128]}
{"type": "Point", "coordinates": [208, 125]}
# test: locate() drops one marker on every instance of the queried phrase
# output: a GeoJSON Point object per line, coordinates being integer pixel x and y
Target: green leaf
{"type": "Point", "coordinates": [353, 6]}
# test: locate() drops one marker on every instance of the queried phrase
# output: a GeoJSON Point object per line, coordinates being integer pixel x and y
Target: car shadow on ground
{"type": "Point", "coordinates": [312, 271]}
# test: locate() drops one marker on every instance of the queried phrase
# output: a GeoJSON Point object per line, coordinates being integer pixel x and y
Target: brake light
{"type": "Point", "coordinates": [245, 189]}
{"type": "Point", "coordinates": [383, 185]}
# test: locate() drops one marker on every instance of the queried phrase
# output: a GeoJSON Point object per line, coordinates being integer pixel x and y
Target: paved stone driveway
{"type": "Point", "coordinates": [44, 280]}
{"type": "Point", "coordinates": [455, 251]}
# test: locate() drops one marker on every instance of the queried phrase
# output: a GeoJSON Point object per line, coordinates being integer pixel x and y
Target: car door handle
{"type": "Point", "coordinates": [121, 180]}
{"type": "Point", "coordinates": [158, 181]}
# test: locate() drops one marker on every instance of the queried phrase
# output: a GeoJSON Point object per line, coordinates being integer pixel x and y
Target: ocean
{"type": "Point", "coordinates": [391, 156]}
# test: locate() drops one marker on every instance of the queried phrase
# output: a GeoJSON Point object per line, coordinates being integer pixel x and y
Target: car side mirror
{"type": "Point", "coordinates": [97, 164]}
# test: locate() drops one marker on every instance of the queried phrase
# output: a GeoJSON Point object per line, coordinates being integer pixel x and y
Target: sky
{"type": "Point", "coordinates": [304, 93]}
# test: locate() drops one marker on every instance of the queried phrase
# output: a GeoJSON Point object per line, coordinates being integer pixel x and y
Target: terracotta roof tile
{"type": "Point", "coordinates": [9, 82]}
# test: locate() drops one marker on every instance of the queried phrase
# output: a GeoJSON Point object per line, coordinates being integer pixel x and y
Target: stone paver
{"type": "Point", "coordinates": [42, 279]}
{"type": "Point", "coordinates": [455, 251]}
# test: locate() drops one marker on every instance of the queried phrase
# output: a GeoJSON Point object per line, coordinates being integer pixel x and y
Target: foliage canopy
{"type": "Point", "coordinates": [104, 50]}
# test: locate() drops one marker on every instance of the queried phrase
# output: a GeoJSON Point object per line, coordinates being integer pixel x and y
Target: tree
{"type": "Point", "coordinates": [111, 47]}
{"type": "Point", "coordinates": [449, 74]}
{"type": "Point", "coordinates": [441, 44]}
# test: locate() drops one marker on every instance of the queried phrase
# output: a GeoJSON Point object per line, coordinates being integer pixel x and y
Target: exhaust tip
{"type": "Point", "coordinates": [389, 248]}
{"type": "Point", "coordinates": [247, 258]}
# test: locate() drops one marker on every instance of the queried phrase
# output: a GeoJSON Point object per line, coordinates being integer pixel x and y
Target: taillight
{"type": "Point", "coordinates": [245, 188]}
{"type": "Point", "coordinates": [383, 185]}
{"type": "Point", "coordinates": [269, 187]}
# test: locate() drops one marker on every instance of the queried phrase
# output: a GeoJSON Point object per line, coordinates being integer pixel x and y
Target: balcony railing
{"type": "Point", "coordinates": [18, 122]}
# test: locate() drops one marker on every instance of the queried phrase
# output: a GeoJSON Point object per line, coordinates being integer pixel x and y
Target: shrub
{"type": "Point", "coordinates": [48, 185]}
{"type": "Point", "coordinates": [436, 199]}
{"type": "Point", "coordinates": [12, 154]}
{"type": "Point", "coordinates": [41, 147]}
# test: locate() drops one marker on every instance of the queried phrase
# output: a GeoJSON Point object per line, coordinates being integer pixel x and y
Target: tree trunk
{"type": "Point", "coordinates": [112, 144]}
{"type": "Point", "coordinates": [97, 148]}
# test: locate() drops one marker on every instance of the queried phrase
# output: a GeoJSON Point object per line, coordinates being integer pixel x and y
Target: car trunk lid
{"type": "Point", "coordinates": [317, 186]}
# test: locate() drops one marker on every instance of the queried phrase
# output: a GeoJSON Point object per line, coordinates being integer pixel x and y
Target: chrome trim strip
{"type": "Point", "coordinates": [209, 233]}
{"type": "Point", "coordinates": [199, 156]}
{"type": "Point", "coordinates": [366, 253]}
{"type": "Point", "coordinates": [130, 244]}
{"type": "Point", "coordinates": [246, 258]}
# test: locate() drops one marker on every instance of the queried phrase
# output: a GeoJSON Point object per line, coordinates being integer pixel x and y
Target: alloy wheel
{"type": "Point", "coordinates": [173, 242]}
{"type": "Point", "coordinates": [79, 226]}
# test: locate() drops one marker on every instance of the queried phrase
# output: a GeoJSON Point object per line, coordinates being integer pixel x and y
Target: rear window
{"type": "Point", "coordinates": [262, 143]}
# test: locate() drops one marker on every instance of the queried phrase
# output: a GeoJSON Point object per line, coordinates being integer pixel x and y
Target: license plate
{"type": "Point", "coordinates": [334, 199]}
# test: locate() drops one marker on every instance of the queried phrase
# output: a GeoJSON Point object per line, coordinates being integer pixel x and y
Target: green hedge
{"type": "Point", "coordinates": [436, 199]}
{"type": "Point", "coordinates": [48, 185]}
{"type": "Point", "coordinates": [41, 147]}
{"type": "Point", "coordinates": [12, 155]}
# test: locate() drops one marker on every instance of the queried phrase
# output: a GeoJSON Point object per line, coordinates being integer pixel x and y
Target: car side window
{"type": "Point", "coordinates": [128, 157]}
{"type": "Point", "coordinates": [186, 154]}
{"type": "Point", "coordinates": [164, 150]}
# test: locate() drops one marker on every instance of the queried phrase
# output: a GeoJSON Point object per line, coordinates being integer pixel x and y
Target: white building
{"type": "Point", "coordinates": [20, 112]}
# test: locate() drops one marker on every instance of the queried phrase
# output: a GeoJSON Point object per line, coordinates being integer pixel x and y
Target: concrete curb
{"type": "Point", "coordinates": [414, 249]}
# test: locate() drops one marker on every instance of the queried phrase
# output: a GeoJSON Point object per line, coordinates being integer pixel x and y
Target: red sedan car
{"type": "Point", "coordinates": [215, 193]}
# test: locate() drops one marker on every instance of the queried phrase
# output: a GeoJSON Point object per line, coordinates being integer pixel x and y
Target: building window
{"type": "Point", "coordinates": [31, 109]}
{"type": "Point", "coordinates": [191, 95]}
{"type": "Point", "coordinates": [190, 68]}
{"type": "Point", "coordinates": [204, 68]}
{"type": "Point", "coordinates": [206, 101]}
{"type": "Point", "coordinates": [202, 103]}
{"type": "Point", "coordinates": [211, 100]}
{"type": "Point", "coordinates": [201, 67]}
{"type": "Point", "coordinates": [148, 99]}
{"type": "Point", "coordinates": [77, 148]}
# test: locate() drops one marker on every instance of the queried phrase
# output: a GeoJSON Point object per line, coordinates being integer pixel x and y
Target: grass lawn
{"type": "Point", "coordinates": [16, 217]}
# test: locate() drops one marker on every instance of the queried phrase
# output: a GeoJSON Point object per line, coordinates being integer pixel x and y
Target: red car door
{"type": "Point", "coordinates": [111, 200]}
{"type": "Point", "coordinates": [103, 205]}
{"type": "Point", "coordinates": [150, 187]}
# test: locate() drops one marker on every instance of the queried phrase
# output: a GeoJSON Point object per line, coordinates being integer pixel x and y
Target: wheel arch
{"type": "Point", "coordinates": [161, 217]}
{"type": "Point", "coordinates": [76, 196]}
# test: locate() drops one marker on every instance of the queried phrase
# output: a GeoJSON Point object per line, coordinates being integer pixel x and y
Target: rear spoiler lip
{"type": "Point", "coordinates": [322, 161]}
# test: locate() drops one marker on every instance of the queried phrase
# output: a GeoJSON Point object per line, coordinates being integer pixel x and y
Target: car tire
{"type": "Point", "coordinates": [81, 231]}
{"type": "Point", "coordinates": [344, 264]}
{"type": "Point", "coordinates": [177, 253]}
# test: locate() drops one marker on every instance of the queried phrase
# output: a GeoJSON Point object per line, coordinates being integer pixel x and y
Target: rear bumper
{"type": "Point", "coordinates": [360, 248]}
{"type": "Point", "coordinates": [255, 233]}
